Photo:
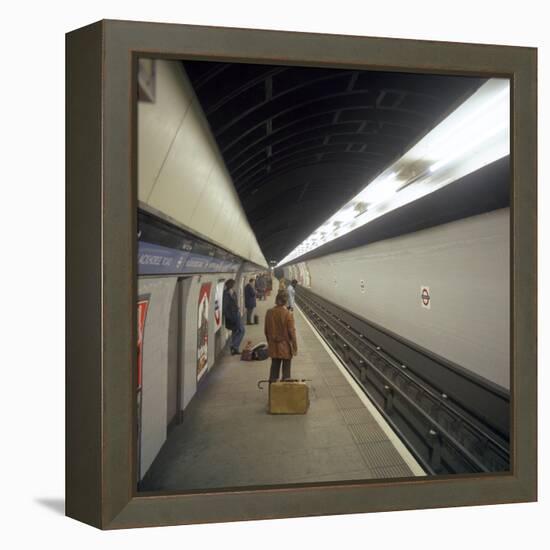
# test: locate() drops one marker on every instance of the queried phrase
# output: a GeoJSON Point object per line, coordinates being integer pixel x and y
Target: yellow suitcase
{"type": "Point", "coordinates": [288, 397]}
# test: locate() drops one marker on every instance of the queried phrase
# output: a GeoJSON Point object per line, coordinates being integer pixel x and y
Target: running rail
{"type": "Point", "coordinates": [450, 420]}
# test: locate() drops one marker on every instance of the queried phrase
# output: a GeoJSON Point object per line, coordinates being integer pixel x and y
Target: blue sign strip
{"type": "Point", "coordinates": [154, 259]}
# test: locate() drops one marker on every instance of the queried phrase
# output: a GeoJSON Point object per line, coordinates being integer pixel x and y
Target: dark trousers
{"type": "Point", "coordinates": [276, 366]}
{"type": "Point", "coordinates": [249, 311]}
{"type": "Point", "coordinates": [237, 334]}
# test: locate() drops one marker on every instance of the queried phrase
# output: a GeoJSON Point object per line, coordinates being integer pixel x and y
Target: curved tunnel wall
{"type": "Point", "coordinates": [466, 266]}
{"type": "Point", "coordinates": [180, 171]}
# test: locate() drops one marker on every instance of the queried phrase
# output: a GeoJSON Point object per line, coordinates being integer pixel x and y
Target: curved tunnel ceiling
{"type": "Point", "coordinates": [300, 141]}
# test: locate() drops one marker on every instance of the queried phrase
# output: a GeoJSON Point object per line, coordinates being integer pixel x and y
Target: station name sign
{"type": "Point", "coordinates": [154, 259]}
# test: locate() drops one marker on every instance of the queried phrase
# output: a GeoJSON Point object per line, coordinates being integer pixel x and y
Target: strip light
{"type": "Point", "coordinates": [485, 138]}
{"type": "Point", "coordinates": [475, 134]}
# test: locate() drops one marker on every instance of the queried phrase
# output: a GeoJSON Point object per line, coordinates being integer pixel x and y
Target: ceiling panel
{"type": "Point", "coordinates": [299, 142]}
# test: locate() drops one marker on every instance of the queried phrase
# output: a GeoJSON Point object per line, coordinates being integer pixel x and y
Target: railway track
{"type": "Point", "coordinates": [445, 432]}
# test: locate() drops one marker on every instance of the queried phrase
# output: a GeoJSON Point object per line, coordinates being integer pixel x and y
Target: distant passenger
{"type": "Point", "coordinates": [280, 333]}
{"type": "Point", "coordinates": [233, 321]}
{"type": "Point", "coordinates": [260, 286]}
{"type": "Point", "coordinates": [249, 300]}
{"type": "Point", "coordinates": [282, 284]}
{"type": "Point", "coordinates": [291, 294]}
{"type": "Point", "coordinates": [268, 284]}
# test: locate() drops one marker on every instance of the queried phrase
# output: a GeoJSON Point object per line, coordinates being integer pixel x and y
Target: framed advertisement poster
{"type": "Point", "coordinates": [202, 329]}
{"type": "Point", "coordinates": [218, 304]}
{"type": "Point", "coordinates": [142, 306]}
{"type": "Point", "coordinates": [102, 69]}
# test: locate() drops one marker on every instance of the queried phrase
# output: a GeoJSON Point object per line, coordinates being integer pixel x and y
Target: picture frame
{"type": "Point", "coordinates": [101, 206]}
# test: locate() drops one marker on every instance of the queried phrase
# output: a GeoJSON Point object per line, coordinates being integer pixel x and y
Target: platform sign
{"type": "Point", "coordinates": [218, 303]}
{"type": "Point", "coordinates": [197, 262]}
{"type": "Point", "coordinates": [215, 265]}
{"type": "Point", "coordinates": [154, 259]}
{"type": "Point", "coordinates": [425, 297]}
{"type": "Point", "coordinates": [202, 329]}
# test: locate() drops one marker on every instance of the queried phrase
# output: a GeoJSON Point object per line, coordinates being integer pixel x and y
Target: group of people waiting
{"type": "Point", "coordinates": [279, 327]}
{"type": "Point", "coordinates": [263, 285]}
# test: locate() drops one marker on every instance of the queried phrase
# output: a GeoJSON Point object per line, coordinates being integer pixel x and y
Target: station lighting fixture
{"type": "Point", "coordinates": [475, 134]}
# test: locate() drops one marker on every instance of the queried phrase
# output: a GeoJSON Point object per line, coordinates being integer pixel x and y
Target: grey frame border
{"type": "Point", "coordinates": [101, 201]}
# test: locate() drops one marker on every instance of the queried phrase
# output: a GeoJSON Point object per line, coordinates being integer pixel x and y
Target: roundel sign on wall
{"type": "Point", "coordinates": [425, 297]}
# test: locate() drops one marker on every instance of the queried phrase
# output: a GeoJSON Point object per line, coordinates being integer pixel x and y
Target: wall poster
{"type": "Point", "coordinates": [142, 306]}
{"type": "Point", "coordinates": [218, 303]}
{"type": "Point", "coordinates": [202, 332]}
{"type": "Point", "coordinates": [304, 277]}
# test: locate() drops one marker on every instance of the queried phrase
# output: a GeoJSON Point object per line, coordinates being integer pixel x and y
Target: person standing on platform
{"type": "Point", "coordinates": [280, 333]}
{"type": "Point", "coordinates": [249, 300]}
{"type": "Point", "coordinates": [291, 294]}
{"type": "Point", "coordinates": [260, 286]}
{"type": "Point", "coordinates": [282, 284]}
{"type": "Point", "coordinates": [268, 284]}
{"type": "Point", "coordinates": [233, 321]}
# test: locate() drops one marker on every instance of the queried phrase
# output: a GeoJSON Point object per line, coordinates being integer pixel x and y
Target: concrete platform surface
{"type": "Point", "coordinates": [227, 438]}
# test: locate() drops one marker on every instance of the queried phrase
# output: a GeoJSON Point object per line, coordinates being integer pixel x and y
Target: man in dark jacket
{"type": "Point", "coordinates": [249, 300]}
{"type": "Point", "coordinates": [232, 316]}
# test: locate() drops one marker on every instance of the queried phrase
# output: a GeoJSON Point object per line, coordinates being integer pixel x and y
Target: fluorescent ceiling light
{"type": "Point", "coordinates": [472, 136]}
{"type": "Point", "coordinates": [503, 128]}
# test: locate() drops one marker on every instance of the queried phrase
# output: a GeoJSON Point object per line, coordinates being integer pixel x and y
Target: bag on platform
{"type": "Point", "coordinates": [260, 352]}
{"type": "Point", "coordinates": [247, 353]}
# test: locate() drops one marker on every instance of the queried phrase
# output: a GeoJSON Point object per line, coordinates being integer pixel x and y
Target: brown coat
{"type": "Point", "coordinates": [280, 333]}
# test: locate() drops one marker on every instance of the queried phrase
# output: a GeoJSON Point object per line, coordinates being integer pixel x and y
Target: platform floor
{"type": "Point", "coordinates": [227, 439]}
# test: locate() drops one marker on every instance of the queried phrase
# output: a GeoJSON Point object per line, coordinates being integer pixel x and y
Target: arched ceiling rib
{"type": "Point", "coordinates": [300, 141]}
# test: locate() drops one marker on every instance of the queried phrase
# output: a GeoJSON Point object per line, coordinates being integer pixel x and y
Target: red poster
{"type": "Point", "coordinates": [202, 329]}
{"type": "Point", "coordinates": [141, 314]}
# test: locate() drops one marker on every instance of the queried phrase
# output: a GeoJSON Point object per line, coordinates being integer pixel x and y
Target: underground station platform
{"type": "Point", "coordinates": [228, 439]}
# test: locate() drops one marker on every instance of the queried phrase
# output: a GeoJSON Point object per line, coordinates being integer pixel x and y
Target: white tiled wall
{"type": "Point", "coordinates": [465, 264]}
{"type": "Point", "coordinates": [180, 170]}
